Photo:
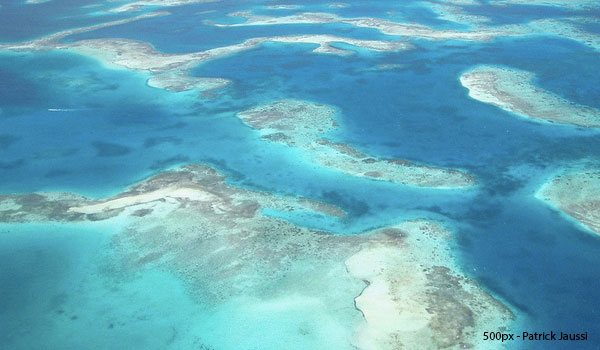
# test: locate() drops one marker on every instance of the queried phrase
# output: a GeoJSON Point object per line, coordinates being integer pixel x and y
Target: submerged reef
{"type": "Point", "coordinates": [303, 125]}
{"type": "Point", "coordinates": [576, 194]}
{"type": "Point", "coordinates": [513, 90]}
{"type": "Point", "coordinates": [219, 240]}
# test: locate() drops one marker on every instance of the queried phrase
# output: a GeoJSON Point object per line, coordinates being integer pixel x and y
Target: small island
{"type": "Point", "coordinates": [304, 125]}
{"type": "Point", "coordinates": [513, 90]}
{"type": "Point", "coordinates": [409, 30]}
{"type": "Point", "coordinates": [577, 195]}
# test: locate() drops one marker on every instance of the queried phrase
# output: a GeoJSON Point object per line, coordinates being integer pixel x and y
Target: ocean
{"type": "Point", "coordinates": [69, 123]}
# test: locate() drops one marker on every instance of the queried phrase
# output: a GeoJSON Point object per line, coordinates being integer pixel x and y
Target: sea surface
{"type": "Point", "coordinates": [68, 123]}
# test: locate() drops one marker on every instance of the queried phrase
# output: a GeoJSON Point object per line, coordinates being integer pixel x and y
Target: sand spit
{"type": "Point", "coordinates": [140, 5]}
{"type": "Point", "coordinates": [409, 30]}
{"type": "Point", "coordinates": [463, 2]}
{"type": "Point", "coordinates": [283, 7]}
{"type": "Point", "coordinates": [304, 125]}
{"type": "Point", "coordinates": [216, 237]}
{"type": "Point", "coordinates": [513, 90]}
{"type": "Point", "coordinates": [577, 195]}
{"type": "Point", "coordinates": [409, 309]}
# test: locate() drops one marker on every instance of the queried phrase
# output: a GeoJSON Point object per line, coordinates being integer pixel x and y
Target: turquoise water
{"type": "Point", "coordinates": [57, 281]}
{"type": "Point", "coordinates": [64, 290]}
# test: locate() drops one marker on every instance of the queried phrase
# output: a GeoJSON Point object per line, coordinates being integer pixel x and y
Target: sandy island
{"type": "Point", "coordinates": [304, 125]}
{"type": "Point", "coordinates": [513, 90]}
{"type": "Point", "coordinates": [479, 27]}
{"type": "Point", "coordinates": [577, 195]}
{"type": "Point", "coordinates": [410, 30]}
{"type": "Point", "coordinates": [216, 237]}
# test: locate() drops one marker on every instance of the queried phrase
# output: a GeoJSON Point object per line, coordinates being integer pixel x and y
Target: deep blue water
{"type": "Point", "coordinates": [117, 131]}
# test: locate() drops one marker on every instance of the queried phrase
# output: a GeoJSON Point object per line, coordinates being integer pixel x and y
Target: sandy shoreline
{"type": "Point", "coordinates": [414, 307]}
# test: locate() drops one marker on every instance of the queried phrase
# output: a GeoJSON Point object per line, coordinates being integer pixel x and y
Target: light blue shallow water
{"type": "Point", "coordinates": [61, 291]}
{"type": "Point", "coordinates": [116, 131]}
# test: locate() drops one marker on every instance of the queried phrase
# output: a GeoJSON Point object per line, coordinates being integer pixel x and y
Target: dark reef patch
{"type": "Point", "coordinates": [163, 163]}
{"type": "Point", "coordinates": [6, 140]}
{"type": "Point", "coordinates": [232, 174]}
{"type": "Point", "coordinates": [141, 212]}
{"type": "Point", "coordinates": [108, 149]}
{"type": "Point", "coordinates": [155, 141]}
{"type": "Point", "coordinates": [12, 164]}
{"type": "Point", "coordinates": [351, 205]}
{"type": "Point", "coordinates": [56, 173]}
{"type": "Point", "coordinates": [179, 125]}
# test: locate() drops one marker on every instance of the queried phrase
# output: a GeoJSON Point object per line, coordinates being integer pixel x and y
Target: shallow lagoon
{"type": "Point", "coordinates": [60, 290]}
